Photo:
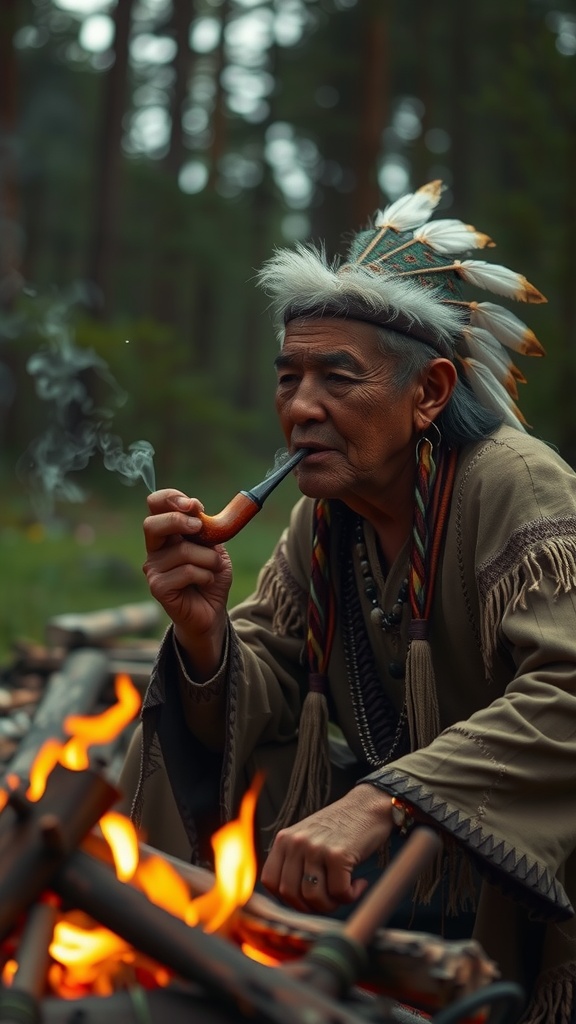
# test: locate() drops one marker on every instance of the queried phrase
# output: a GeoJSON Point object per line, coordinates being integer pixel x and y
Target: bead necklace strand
{"type": "Point", "coordinates": [388, 621]}
{"type": "Point", "coordinates": [383, 733]}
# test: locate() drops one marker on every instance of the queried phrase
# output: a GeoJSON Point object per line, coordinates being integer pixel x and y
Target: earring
{"type": "Point", "coordinates": [438, 438]}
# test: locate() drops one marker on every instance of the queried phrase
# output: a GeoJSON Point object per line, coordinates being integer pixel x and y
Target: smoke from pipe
{"type": "Point", "coordinates": [81, 396]}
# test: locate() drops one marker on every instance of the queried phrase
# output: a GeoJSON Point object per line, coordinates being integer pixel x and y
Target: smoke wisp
{"type": "Point", "coordinates": [81, 397]}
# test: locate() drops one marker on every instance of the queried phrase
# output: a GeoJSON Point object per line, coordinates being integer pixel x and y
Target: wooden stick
{"type": "Point", "coordinates": [73, 630]}
{"type": "Point", "coordinates": [32, 955]}
{"type": "Point", "coordinates": [74, 690]}
{"type": "Point", "coordinates": [258, 992]}
{"type": "Point", "coordinates": [380, 902]}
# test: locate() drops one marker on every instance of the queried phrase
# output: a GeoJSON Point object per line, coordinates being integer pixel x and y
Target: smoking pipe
{"type": "Point", "coordinates": [243, 506]}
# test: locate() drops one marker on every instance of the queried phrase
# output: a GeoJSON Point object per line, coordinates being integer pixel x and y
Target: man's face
{"type": "Point", "coordinates": [334, 395]}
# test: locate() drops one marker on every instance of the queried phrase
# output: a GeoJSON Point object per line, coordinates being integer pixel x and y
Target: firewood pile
{"type": "Point", "coordinates": [56, 869]}
{"type": "Point", "coordinates": [73, 672]}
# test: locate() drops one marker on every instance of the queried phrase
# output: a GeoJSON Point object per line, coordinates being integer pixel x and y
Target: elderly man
{"type": "Point", "coordinates": [410, 650]}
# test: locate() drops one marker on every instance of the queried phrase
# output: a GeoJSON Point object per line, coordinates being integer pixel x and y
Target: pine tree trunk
{"type": "Point", "coordinates": [108, 159]}
{"type": "Point", "coordinates": [10, 236]}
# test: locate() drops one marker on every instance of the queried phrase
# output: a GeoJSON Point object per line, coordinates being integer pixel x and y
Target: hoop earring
{"type": "Point", "coordinates": [419, 447]}
{"type": "Point", "coordinates": [438, 438]}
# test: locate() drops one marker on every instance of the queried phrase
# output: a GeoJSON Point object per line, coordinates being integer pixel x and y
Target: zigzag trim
{"type": "Point", "coordinates": [521, 878]}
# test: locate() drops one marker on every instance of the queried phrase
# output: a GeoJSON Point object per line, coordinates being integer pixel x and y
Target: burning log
{"type": "Point", "coordinates": [38, 836]}
{"type": "Point", "coordinates": [90, 628]}
{"type": "Point", "coordinates": [230, 977]}
{"type": "Point", "coordinates": [417, 968]}
{"type": "Point", "coordinates": [74, 689]}
{"type": "Point", "coordinates": [21, 1001]}
{"type": "Point", "coordinates": [151, 926]}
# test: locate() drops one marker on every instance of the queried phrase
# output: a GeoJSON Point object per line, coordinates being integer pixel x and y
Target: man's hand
{"type": "Point", "coordinates": [191, 581]}
{"type": "Point", "coordinates": [311, 863]}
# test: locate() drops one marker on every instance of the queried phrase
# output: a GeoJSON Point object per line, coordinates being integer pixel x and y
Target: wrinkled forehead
{"type": "Point", "coordinates": [330, 331]}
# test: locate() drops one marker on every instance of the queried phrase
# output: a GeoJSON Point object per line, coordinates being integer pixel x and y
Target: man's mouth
{"type": "Point", "coordinates": [314, 448]}
{"type": "Point", "coordinates": [315, 454]}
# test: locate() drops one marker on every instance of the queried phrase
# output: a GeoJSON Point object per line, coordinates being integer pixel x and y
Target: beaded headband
{"type": "Point", "coordinates": [401, 274]}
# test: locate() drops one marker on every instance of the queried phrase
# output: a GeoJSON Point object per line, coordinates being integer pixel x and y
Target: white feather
{"type": "Point", "coordinates": [484, 347]}
{"type": "Point", "coordinates": [412, 210]}
{"type": "Point", "coordinates": [507, 327]}
{"type": "Point", "coordinates": [301, 278]}
{"type": "Point", "coordinates": [491, 393]}
{"type": "Point", "coordinates": [449, 236]}
{"type": "Point", "coordinates": [498, 279]}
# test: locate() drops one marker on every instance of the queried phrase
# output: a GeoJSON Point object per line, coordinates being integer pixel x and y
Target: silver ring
{"type": "Point", "coordinates": [310, 878]}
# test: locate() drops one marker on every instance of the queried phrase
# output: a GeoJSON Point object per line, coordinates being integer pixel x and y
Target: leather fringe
{"type": "Point", "coordinates": [422, 711]}
{"type": "Point", "coordinates": [309, 784]}
{"type": "Point", "coordinates": [289, 607]}
{"type": "Point", "coordinates": [554, 1000]}
{"type": "Point", "coordinates": [555, 559]}
{"type": "Point", "coordinates": [451, 867]}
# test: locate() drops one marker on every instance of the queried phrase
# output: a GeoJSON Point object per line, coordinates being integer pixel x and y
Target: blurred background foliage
{"type": "Point", "coordinates": [154, 152]}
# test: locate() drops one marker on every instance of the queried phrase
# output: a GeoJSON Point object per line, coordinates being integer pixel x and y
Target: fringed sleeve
{"type": "Point", "coordinates": [499, 779]}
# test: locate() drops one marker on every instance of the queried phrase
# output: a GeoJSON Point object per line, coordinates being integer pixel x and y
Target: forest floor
{"type": "Point", "coordinates": [89, 557]}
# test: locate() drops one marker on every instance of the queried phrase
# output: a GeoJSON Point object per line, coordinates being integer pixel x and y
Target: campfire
{"type": "Point", "coordinates": [91, 916]}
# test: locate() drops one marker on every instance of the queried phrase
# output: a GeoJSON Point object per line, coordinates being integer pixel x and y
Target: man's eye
{"type": "Point", "coordinates": [340, 378]}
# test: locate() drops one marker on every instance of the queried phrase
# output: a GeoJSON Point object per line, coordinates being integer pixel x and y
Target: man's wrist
{"type": "Point", "coordinates": [207, 660]}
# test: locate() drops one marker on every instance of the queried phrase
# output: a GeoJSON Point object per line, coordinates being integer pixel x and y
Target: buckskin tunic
{"type": "Point", "coordinates": [500, 779]}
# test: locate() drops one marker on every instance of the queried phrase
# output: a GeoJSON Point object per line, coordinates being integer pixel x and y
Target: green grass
{"type": "Point", "coordinates": [90, 557]}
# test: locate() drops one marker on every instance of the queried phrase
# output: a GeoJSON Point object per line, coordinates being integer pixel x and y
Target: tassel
{"type": "Point", "coordinates": [429, 881]}
{"type": "Point", "coordinates": [309, 784]}
{"type": "Point", "coordinates": [462, 889]}
{"type": "Point", "coordinates": [422, 711]}
{"type": "Point", "coordinates": [554, 999]}
{"type": "Point", "coordinates": [452, 868]}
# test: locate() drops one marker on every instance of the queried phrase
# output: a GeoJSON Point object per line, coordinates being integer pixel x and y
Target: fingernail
{"type": "Point", "coordinates": [194, 524]}
{"type": "Point", "coordinates": [181, 502]}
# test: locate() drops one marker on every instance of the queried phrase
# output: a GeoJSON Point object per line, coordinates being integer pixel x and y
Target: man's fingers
{"type": "Point", "coordinates": [169, 498]}
{"type": "Point", "coordinates": [163, 585]}
{"type": "Point", "coordinates": [161, 526]}
{"type": "Point", "coordinates": [181, 552]}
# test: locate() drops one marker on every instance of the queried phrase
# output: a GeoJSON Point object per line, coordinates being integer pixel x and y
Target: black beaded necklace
{"type": "Point", "coordinates": [388, 621]}
{"type": "Point", "coordinates": [382, 730]}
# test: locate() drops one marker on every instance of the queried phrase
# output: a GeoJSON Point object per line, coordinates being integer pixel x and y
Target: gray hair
{"type": "Point", "coordinates": [464, 418]}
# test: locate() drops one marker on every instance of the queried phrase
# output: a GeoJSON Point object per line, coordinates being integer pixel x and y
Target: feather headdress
{"type": "Point", "coordinates": [403, 273]}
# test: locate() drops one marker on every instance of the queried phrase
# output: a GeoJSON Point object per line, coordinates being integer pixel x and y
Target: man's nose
{"type": "Point", "coordinates": [307, 402]}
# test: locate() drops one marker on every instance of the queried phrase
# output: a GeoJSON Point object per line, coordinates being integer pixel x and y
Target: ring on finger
{"type": "Point", "coordinates": [311, 879]}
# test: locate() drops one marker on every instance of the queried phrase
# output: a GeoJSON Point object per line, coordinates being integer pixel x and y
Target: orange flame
{"type": "Point", "coordinates": [163, 885]}
{"type": "Point", "coordinates": [12, 782]}
{"type": "Point", "coordinates": [8, 972]}
{"type": "Point", "coordinates": [121, 836]}
{"type": "Point", "coordinates": [235, 867]}
{"type": "Point", "coordinates": [85, 731]}
{"type": "Point", "coordinates": [92, 958]}
{"type": "Point", "coordinates": [259, 955]}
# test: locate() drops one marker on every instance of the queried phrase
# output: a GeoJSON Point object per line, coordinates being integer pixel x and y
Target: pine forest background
{"type": "Point", "coordinates": [152, 155]}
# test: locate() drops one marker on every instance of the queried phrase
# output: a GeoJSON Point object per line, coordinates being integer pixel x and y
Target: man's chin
{"type": "Point", "coordinates": [315, 488]}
